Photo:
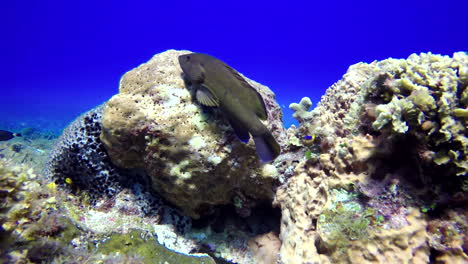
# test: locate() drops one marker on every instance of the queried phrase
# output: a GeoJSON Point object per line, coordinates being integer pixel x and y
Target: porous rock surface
{"type": "Point", "coordinates": [190, 152]}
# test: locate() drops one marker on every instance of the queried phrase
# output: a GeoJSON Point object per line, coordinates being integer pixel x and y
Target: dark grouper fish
{"type": "Point", "coordinates": [219, 85]}
{"type": "Point", "coordinates": [7, 135]}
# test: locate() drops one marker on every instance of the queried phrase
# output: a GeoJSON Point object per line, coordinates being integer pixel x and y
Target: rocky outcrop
{"type": "Point", "coordinates": [385, 146]}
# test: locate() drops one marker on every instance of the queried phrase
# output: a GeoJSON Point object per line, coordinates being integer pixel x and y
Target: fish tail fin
{"type": "Point", "coordinates": [267, 147]}
{"type": "Point", "coordinates": [17, 134]}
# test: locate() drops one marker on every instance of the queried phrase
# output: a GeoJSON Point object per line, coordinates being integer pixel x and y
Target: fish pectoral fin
{"type": "Point", "coordinates": [240, 131]}
{"type": "Point", "coordinates": [205, 97]}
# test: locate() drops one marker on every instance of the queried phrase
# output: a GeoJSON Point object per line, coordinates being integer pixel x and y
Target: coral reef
{"type": "Point", "coordinates": [425, 96]}
{"type": "Point", "coordinates": [79, 161]}
{"type": "Point", "coordinates": [392, 135]}
{"type": "Point", "coordinates": [118, 199]}
{"type": "Point", "coordinates": [376, 173]}
{"type": "Point", "coordinates": [31, 226]}
{"type": "Point", "coordinates": [191, 154]}
{"type": "Point", "coordinates": [26, 151]}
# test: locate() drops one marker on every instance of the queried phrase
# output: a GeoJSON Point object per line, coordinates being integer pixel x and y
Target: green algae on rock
{"type": "Point", "coordinates": [135, 243]}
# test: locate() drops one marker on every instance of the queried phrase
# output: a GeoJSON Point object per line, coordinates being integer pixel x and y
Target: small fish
{"type": "Point", "coordinates": [308, 137]}
{"type": "Point", "coordinates": [218, 85]}
{"type": "Point", "coordinates": [7, 135]}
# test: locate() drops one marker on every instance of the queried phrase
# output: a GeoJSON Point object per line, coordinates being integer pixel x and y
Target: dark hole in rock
{"type": "Point", "coordinates": [321, 248]}
{"type": "Point", "coordinates": [433, 255]}
{"type": "Point", "coordinates": [401, 160]}
{"type": "Point", "coordinates": [263, 219]}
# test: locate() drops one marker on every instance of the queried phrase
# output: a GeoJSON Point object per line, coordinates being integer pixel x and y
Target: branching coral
{"type": "Point", "coordinates": [301, 110]}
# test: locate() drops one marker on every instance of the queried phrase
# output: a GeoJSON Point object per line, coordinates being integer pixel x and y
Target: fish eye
{"type": "Point", "coordinates": [188, 57]}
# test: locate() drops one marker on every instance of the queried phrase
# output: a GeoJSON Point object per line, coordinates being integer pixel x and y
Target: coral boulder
{"type": "Point", "coordinates": [190, 152]}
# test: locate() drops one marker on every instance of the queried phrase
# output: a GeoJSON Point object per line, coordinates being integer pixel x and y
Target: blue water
{"type": "Point", "coordinates": [61, 58]}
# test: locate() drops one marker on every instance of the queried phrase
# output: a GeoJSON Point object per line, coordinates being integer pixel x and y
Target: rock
{"type": "Point", "coordinates": [265, 248]}
{"type": "Point", "coordinates": [190, 152]}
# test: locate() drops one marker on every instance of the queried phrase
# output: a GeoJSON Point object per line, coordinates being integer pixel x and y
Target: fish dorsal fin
{"type": "Point", "coordinates": [251, 98]}
{"type": "Point", "coordinates": [205, 97]}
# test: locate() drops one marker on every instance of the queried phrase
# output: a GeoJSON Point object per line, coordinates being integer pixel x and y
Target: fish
{"type": "Point", "coordinates": [218, 85]}
{"type": "Point", "coordinates": [7, 135]}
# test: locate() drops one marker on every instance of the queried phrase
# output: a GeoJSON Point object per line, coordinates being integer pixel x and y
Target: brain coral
{"type": "Point", "coordinates": [190, 153]}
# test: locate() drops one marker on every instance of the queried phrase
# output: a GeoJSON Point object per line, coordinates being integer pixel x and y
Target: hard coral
{"type": "Point", "coordinates": [448, 236]}
{"type": "Point", "coordinates": [79, 162]}
{"type": "Point", "coordinates": [301, 110]}
{"type": "Point", "coordinates": [265, 248]}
